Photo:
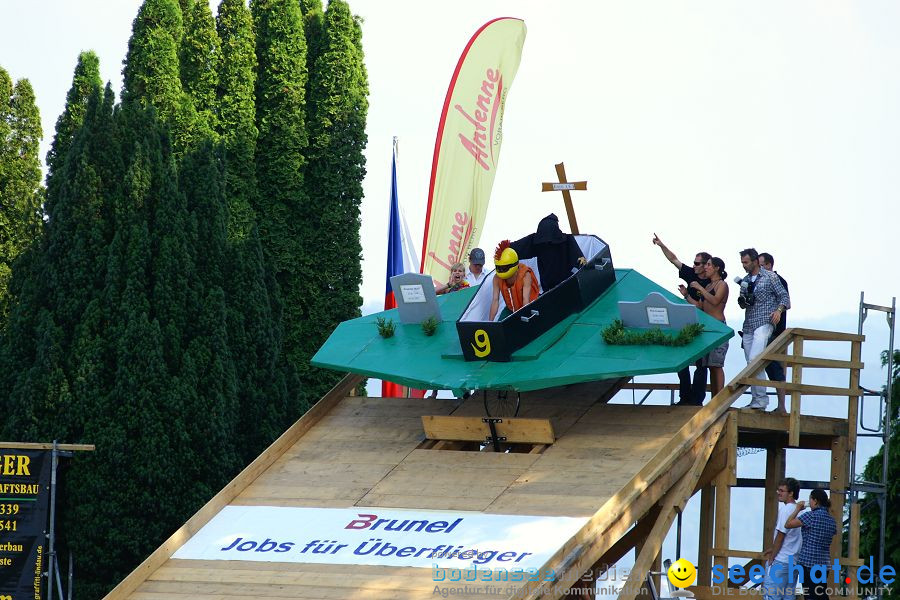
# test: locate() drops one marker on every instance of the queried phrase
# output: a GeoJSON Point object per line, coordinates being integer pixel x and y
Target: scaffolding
{"type": "Point", "coordinates": [882, 429]}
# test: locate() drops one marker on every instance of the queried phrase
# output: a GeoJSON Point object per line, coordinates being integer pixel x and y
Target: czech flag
{"type": "Point", "coordinates": [401, 258]}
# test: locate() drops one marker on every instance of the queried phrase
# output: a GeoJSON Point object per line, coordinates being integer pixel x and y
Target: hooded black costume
{"type": "Point", "coordinates": [557, 252]}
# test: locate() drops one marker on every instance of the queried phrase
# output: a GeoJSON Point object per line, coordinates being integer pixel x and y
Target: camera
{"type": "Point", "coordinates": [747, 298]}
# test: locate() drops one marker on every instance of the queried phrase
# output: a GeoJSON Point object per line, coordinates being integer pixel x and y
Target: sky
{"type": "Point", "coordinates": [717, 124]}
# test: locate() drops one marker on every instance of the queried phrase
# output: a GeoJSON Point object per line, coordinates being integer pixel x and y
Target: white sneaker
{"type": "Point", "coordinates": [755, 405]}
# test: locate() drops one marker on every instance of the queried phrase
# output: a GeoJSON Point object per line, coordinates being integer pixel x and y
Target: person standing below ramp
{"type": "Point", "coordinates": [764, 300]}
{"type": "Point", "coordinates": [817, 528]}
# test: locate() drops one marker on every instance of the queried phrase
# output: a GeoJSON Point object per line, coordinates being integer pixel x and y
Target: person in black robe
{"type": "Point", "coordinates": [557, 253]}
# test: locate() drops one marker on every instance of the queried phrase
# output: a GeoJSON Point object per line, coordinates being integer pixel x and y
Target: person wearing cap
{"type": "Point", "coordinates": [516, 283]}
{"type": "Point", "coordinates": [475, 273]}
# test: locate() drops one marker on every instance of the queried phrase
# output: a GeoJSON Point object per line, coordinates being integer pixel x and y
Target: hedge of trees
{"type": "Point", "coordinates": [195, 244]}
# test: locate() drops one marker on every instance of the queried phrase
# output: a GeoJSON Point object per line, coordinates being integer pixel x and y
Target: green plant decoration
{"type": "Point", "coordinates": [429, 326]}
{"type": "Point", "coordinates": [617, 335]}
{"type": "Point", "coordinates": [386, 327]}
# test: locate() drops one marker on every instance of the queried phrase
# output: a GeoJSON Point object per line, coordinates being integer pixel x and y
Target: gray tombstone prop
{"type": "Point", "coordinates": [656, 311]}
{"type": "Point", "coordinates": [415, 297]}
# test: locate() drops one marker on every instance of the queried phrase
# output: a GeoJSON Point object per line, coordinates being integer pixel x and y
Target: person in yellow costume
{"type": "Point", "coordinates": [516, 283]}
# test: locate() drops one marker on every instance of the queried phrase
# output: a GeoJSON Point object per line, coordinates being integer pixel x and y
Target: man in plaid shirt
{"type": "Point", "coordinates": [764, 299]}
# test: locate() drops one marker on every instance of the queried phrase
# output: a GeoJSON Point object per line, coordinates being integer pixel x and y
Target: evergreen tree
{"type": "Point", "coordinates": [85, 83]}
{"type": "Point", "coordinates": [254, 314]}
{"type": "Point", "coordinates": [200, 57]}
{"type": "Point", "coordinates": [152, 73]}
{"type": "Point", "coordinates": [314, 28]}
{"type": "Point", "coordinates": [338, 101]}
{"type": "Point", "coordinates": [237, 114]}
{"type": "Point", "coordinates": [286, 221]}
{"type": "Point", "coordinates": [21, 193]}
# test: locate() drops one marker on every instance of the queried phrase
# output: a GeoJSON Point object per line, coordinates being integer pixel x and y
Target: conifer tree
{"type": "Point", "coordinates": [237, 114]}
{"type": "Point", "coordinates": [286, 221]}
{"type": "Point", "coordinates": [152, 73]}
{"type": "Point", "coordinates": [21, 193]}
{"type": "Point", "coordinates": [85, 82]}
{"type": "Point", "coordinates": [254, 314]}
{"type": "Point", "coordinates": [200, 56]}
{"type": "Point", "coordinates": [338, 101]}
{"type": "Point", "coordinates": [314, 28]}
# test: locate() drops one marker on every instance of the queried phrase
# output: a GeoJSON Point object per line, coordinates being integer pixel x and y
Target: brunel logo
{"type": "Point", "coordinates": [372, 522]}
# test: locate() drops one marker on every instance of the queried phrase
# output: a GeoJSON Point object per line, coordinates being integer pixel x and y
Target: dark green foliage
{"type": "Point", "coordinates": [616, 334]}
{"type": "Point", "coordinates": [334, 175]}
{"type": "Point", "coordinates": [870, 514]}
{"type": "Point", "coordinates": [200, 55]}
{"type": "Point", "coordinates": [237, 114]}
{"type": "Point", "coordinates": [85, 82]}
{"type": "Point", "coordinates": [152, 73]}
{"type": "Point", "coordinates": [21, 193]}
{"type": "Point", "coordinates": [180, 282]}
{"type": "Point", "coordinates": [314, 29]}
{"type": "Point", "coordinates": [287, 221]}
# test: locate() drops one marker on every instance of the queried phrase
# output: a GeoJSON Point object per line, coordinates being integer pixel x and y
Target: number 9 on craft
{"type": "Point", "coordinates": [482, 345]}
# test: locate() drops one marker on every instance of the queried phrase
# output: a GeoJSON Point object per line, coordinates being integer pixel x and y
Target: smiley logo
{"type": "Point", "coordinates": [682, 573]}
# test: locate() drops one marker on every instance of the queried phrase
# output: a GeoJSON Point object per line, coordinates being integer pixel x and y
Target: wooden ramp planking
{"type": "Point", "coordinates": [364, 452]}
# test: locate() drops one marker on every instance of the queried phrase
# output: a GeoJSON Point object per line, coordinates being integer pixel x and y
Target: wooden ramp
{"type": "Point", "coordinates": [625, 470]}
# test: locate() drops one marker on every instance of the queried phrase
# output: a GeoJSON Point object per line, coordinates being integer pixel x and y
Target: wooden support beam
{"type": "Point", "coordinates": [610, 520]}
{"type": "Point", "coordinates": [627, 542]}
{"type": "Point", "coordinates": [816, 363]}
{"type": "Point", "coordinates": [46, 446]}
{"type": "Point", "coordinates": [774, 473]}
{"type": "Point", "coordinates": [715, 466]}
{"type": "Point", "coordinates": [736, 553]}
{"type": "Point", "coordinates": [722, 519]}
{"type": "Point", "coordinates": [767, 421]}
{"type": "Point", "coordinates": [770, 439]}
{"type": "Point", "coordinates": [797, 379]}
{"type": "Point", "coordinates": [840, 476]}
{"type": "Point", "coordinates": [673, 502]}
{"type": "Point", "coordinates": [853, 406]}
{"type": "Point", "coordinates": [803, 388]}
{"type": "Point", "coordinates": [474, 429]}
{"type": "Point", "coordinates": [705, 542]}
{"type": "Point", "coordinates": [731, 445]}
{"type": "Point", "coordinates": [828, 336]}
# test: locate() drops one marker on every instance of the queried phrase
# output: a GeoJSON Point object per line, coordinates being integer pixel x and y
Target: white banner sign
{"type": "Point", "coordinates": [376, 536]}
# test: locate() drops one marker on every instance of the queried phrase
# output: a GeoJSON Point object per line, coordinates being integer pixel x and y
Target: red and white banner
{"type": "Point", "coordinates": [467, 149]}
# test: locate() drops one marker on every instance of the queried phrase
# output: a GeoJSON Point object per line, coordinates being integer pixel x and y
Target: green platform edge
{"type": "Point", "coordinates": [572, 352]}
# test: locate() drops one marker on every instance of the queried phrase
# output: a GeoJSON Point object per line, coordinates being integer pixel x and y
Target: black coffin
{"type": "Point", "coordinates": [481, 339]}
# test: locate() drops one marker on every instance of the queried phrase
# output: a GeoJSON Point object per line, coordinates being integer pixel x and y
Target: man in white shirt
{"type": "Point", "coordinates": [475, 273]}
{"type": "Point", "coordinates": [780, 579]}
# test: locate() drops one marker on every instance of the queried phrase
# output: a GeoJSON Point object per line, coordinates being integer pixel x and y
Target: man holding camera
{"type": "Point", "coordinates": [764, 301]}
{"type": "Point", "coordinates": [690, 393]}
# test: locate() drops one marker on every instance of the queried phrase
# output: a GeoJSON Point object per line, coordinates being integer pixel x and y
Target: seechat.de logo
{"type": "Point", "coordinates": [373, 523]}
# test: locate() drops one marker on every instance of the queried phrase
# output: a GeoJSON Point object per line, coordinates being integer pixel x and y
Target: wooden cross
{"type": "Point", "coordinates": [564, 187]}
